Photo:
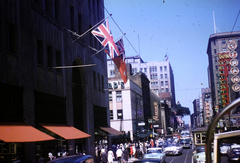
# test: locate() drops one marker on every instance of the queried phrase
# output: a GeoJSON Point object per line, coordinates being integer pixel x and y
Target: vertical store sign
{"type": "Point", "coordinates": [224, 68]}
{"type": "Point", "coordinates": [234, 63]}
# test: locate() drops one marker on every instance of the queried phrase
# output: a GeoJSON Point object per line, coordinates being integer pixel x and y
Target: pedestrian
{"type": "Point", "coordinates": [104, 156]}
{"type": "Point", "coordinates": [110, 156]}
{"type": "Point", "coordinates": [125, 156]}
{"type": "Point", "coordinates": [119, 154]}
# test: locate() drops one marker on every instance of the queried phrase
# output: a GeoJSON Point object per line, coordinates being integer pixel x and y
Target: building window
{"type": "Point", "coordinates": [39, 52]}
{"type": "Point", "coordinates": [166, 82]}
{"type": "Point", "coordinates": [80, 24]}
{"type": "Point", "coordinates": [216, 59]}
{"type": "Point", "coordinates": [111, 114]}
{"type": "Point", "coordinates": [12, 38]}
{"type": "Point", "coordinates": [167, 89]}
{"type": "Point", "coordinates": [162, 90]}
{"type": "Point", "coordinates": [224, 49]}
{"type": "Point", "coordinates": [118, 95]}
{"type": "Point", "coordinates": [102, 83]}
{"type": "Point", "coordinates": [50, 56]}
{"type": "Point", "coordinates": [165, 68]}
{"type": "Point", "coordinates": [99, 82]}
{"type": "Point", "coordinates": [110, 96]}
{"type": "Point", "coordinates": [160, 68]}
{"type": "Point", "coordinates": [48, 7]}
{"type": "Point", "coordinates": [119, 114]}
{"type": "Point", "coordinates": [145, 69]}
{"type": "Point", "coordinates": [214, 42]}
{"type": "Point", "coordinates": [58, 61]}
{"type": "Point", "coordinates": [223, 41]}
{"type": "Point", "coordinates": [94, 80]}
{"type": "Point", "coordinates": [165, 76]}
{"type": "Point", "coordinates": [216, 67]}
{"type": "Point", "coordinates": [161, 83]}
{"type": "Point", "coordinates": [56, 9]}
{"type": "Point", "coordinates": [72, 17]}
{"type": "Point", "coordinates": [161, 76]}
{"type": "Point", "coordinates": [215, 51]}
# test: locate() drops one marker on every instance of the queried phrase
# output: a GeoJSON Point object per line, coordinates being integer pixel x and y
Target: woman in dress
{"type": "Point", "coordinates": [110, 156]}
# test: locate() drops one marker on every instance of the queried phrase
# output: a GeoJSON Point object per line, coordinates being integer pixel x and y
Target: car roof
{"type": "Point", "coordinates": [70, 159]}
{"type": "Point", "coordinates": [147, 160]}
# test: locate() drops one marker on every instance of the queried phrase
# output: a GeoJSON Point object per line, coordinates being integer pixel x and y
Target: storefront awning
{"type": "Point", "coordinates": [66, 131]}
{"type": "Point", "coordinates": [22, 133]}
{"type": "Point", "coordinates": [111, 130]}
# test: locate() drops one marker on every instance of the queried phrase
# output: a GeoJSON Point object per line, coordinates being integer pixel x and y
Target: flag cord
{"type": "Point", "coordinates": [79, 36]}
{"type": "Point", "coordinates": [120, 29]}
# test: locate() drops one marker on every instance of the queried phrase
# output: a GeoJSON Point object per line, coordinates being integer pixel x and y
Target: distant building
{"type": "Point", "coordinates": [129, 103]}
{"type": "Point", "coordinates": [160, 75]}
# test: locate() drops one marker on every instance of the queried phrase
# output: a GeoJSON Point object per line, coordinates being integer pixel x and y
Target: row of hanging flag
{"type": "Point", "coordinates": [115, 50]}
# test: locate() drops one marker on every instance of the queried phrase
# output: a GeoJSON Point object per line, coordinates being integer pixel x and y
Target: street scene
{"type": "Point", "coordinates": [118, 81]}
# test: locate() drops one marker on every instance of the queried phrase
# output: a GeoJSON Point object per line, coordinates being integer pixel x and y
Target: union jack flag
{"type": "Point", "coordinates": [121, 49]}
{"type": "Point", "coordinates": [104, 36]}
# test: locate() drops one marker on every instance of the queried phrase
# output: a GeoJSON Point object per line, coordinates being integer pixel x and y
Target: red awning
{"type": "Point", "coordinates": [111, 130]}
{"type": "Point", "coordinates": [22, 133]}
{"type": "Point", "coordinates": [66, 131]}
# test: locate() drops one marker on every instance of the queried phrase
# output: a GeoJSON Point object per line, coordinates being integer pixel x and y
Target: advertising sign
{"type": "Point", "coordinates": [224, 68]}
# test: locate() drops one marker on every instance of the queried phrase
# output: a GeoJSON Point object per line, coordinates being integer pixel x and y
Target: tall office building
{"type": "Point", "coordinates": [223, 50]}
{"type": "Point", "coordinates": [223, 54]}
{"type": "Point", "coordinates": [160, 75]}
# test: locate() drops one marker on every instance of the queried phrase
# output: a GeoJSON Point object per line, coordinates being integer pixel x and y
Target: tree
{"type": "Point", "coordinates": [180, 110]}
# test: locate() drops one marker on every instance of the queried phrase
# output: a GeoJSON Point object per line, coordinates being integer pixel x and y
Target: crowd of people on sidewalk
{"type": "Point", "coordinates": [123, 151]}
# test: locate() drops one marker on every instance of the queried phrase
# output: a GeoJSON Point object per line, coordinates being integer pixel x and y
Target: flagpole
{"type": "Point", "coordinates": [79, 36]}
{"type": "Point", "coordinates": [104, 46]}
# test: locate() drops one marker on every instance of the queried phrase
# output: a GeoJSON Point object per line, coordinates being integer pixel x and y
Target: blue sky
{"type": "Point", "coordinates": [179, 28]}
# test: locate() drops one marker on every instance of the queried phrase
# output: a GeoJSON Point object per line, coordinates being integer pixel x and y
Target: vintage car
{"type": "Point", "coordinates": [148, 160]}
{"type": "Point", "coordinates": [173, 149]}
{"type": "Point", "coordinates": [155, 153]}
{"type": "Point", "coordinates": [224, 148]}
{"type": "Point", "coordinates": [199, 155]}
{"type": "Point", "coordinates": [74, 159]}
{"type": "Point", "coordinates": [186, 143]}
{"type": "Point", "coordinates": [234, 153]}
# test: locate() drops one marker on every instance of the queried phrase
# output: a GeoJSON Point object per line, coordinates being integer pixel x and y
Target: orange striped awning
{"type": "Point", "coordinates": [22, 133]}
{"type": "Point", "coordinates": [66, 131]}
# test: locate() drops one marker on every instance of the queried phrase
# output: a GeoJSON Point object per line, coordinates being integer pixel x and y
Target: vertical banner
{"type": "Point", "coordinates": [224, 68]}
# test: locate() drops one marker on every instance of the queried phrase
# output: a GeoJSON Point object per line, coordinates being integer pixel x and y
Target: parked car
{"type": "Point", "coordinates": [173, 149]}
{"type": "Point", "coordinates": [224, 148]}
{"type": "Point", "coordinates": [199, 155]}
{"type": "Point", "coordinates": [185, 143]}
{"type": "Point", "coordinates": [74, 159]}
{"type": "Point", "coordinates": [155, 153]}
{"type": "Point", "coordinates": [234, 153]}
{"type": "Point", "coordinates": [148, 160]}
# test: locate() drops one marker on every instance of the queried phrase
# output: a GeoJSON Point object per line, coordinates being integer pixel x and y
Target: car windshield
{"type": "Point", "coordinates": [154, 151]}
{"type": "Point", "coordinates": [225, 144]}
{"type": "Point", "coordinates": [201, 149]}
{"type": "Point", "coordinates": [184, 141]}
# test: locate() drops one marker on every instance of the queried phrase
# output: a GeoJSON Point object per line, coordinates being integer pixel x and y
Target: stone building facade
{"type": "Point", "coordinates": [36, 36]}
